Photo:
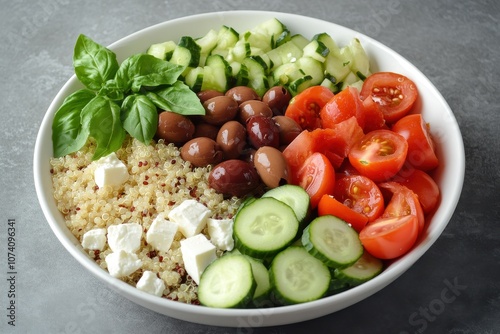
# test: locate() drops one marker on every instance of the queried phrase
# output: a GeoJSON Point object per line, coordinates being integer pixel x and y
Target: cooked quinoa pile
{"type": "Point", "coordinates": [158, 181]}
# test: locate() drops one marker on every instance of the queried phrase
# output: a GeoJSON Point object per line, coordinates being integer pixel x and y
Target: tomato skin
{"type": "Point", "coordinates": [390, 237]}
{"type": "Point", "coordinates": [393, 92]}
{"type": "Point", "coordinates": [328, 205]}
{"type": "Point", "coordinates": [360, 194]}
{"type": "Point", "coordinates": [341, 107]}
{"type": "Point", "coordinates": [374, 117]}
{"type": "Point", "coordinates": [423, 185]}
{"type": "Point", "coordinates": [305, 107]}
{"type": "Point", "coordinates": [317, 177]}
{"type": "Point", "coordinates": [421, 153]}
{"type": "Point", "coordinates": [379, 154]}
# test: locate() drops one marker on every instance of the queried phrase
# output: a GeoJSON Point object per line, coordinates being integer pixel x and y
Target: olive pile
{"type": "Point", "coordinates": [240, 135]}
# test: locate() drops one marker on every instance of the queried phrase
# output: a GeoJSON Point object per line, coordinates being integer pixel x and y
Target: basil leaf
{"type": "Point", "coordinates": [111, 90]}
{"type": "Point", "coordinates": [93, 63]}
{"type": "Point", "coordinates": [145, 70]}
{"type": "Point", "coordinates": [101, 118]}
{"type": "Point", "coordinates": [68, 136]}
{"type": "Point", "coordinates": [178, 98]}
{"type": "Point", "coordinates": [140, 117]}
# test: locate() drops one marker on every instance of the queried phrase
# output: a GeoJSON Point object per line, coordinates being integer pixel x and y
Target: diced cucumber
{"type": "Point", "coordinates": [363, 270]}
{"type": "Point", "coordinates": [227, 38]}
{"type": "Point", "coordinates": [264, 227]}
{"type": "Point", "coordinates": [240, 51]}
{"type": "Point", "coordinates": [286, 73]}
{"type": "Point", "coordinates": [162, 50]}
{"type": "Point", "coordinates": [194, 78]}
{"type": "Point", "coordinates": [288, 52]}
{"type": "Point", "coordinates": [328, 41]}
{"type": "Point", "coordinates": [316, 50]}
{"type": "Point", "coordinates": [336, 68]}
{"type": "Point", "coordinates": [294, 196]}
{"type": "Point", "coordinates": [299, 40]}
{"type": "Point", "coordinates": [360, 63]}
{"type": "Point", "coordinates": [217, 73]}
{"type": "Point", "coordinates": [349, 80]}
{"type": "Point", "coordinates": [242, 76]}
{"type": "Point", "coordinates": [207, 42]}
{"type": "Point", "coordinates": [257, 78]}
{"type": "Point", "coordinates": [313, 75]}
{"type": "Point", "coordinates": [181, 56]}
{"type": "Point", "coordinates": [193, 47]}
{"type": "Point", "coordinates": [333, 241]}
{"type": "Point", "coordinates": [298, 277]}
{"type": "Point", "coordinates": [274, 29]}
{"type": "Point", "coordinates": [330, 85]}
{"type": "Point", "coordinates": [228, 282]}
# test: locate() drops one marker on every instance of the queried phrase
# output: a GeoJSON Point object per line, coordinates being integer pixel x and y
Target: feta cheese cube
{"type": "Point", "coordinates": [150, 283]}
{"type": "Point", "coordinates": [125, 237]}
{"type": "Point", "coordinates": [161, 233]}
{"type": "Point", "coordinates": [221, 233]}
{"type": "Point", "coordinates": [110, 171]}
{"type": "Point", "coordinates": [191, 216]}
{"type": "Point", "coordinates": [197, 253]}
{"type": "Point", "coordinates": [122, 263]}
{"type": "Point", "coordinates": [94, 239]}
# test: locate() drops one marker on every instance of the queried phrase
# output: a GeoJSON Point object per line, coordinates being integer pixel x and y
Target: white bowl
{"type": "Point", "coordinates": [434, 108]}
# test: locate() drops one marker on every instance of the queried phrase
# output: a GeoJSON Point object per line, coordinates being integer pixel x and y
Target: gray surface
{"type": "Point", "coordinates": [455, 43]}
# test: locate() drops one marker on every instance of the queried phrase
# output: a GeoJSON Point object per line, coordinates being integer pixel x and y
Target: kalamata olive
{"type": "Point", "coordinates": [232, 139]}
{"type": "Point", "coordinates": [234, 178]}
{"type": "Point", "coordinates": [277, 98]}
{"type": "Point", "coordinates": [253, 108]}
{"type": "Point", "coordinates": [262, 131]}
{"type": "Point", "coordinates": [288, 128]}
{"type": "Point", "coordinates": [208, 94]}
{"type": "Point", "coordinates": [174, 128]}
{"type": "Point", "coordinates": [271, 166]}
{"type": "Point", "coordinates": [201, 151]}
{"type": "Point", "coordinates": [205, 130]}
{"type": "Point", "coordinates": [220, 109]}
{"type": "Point", "coordinates": [242, 93]}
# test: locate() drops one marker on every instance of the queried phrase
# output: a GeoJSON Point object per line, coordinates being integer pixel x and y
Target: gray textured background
{"type": "Point", "coordinates": [455, 43]}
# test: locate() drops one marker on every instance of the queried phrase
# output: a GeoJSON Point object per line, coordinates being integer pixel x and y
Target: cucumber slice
{"type": "Point", "coordinates": [330, 85]}
{"type": "Point", "coordinates": [336, 68]}
{"type": "Point", "coordinates": [227, 38]}
{"type": "Point", "coordinates": [181, 56]}
{"type": "Point", "coordinates": [299, 40]}
{"type": "Point", "coordinates": [360, 62]}
{"type": "Point", "coordinates": [363, 270]}
{"type": "Point", "coordinates": [193, 47]}
{"type": "Point", "coordinates": [294, 196]}
{"type": "Point", "coordinates": [264, 227]}
{"type": "Point", "coordinates": [162, 50]}
{"type": "Point", "coordinates": [261, 276]}
{"type": "Point", "coordinates": [217, 74]}
{"type": "Point", "coordinates": [288, 52]}
{"type": "Point", "coordinates": [257, 78]}
{"type": "Point", "coordinates": [312, 75]}
{"type": "Point", "coordinates": [207, 42]}
{"type": "Point", "coordinates": [333, 241]}
{"type": "Point", "coordinates": [328, 41]}
{"type": "Point", "coordinates": [298, 277]}
{"type": "Point", "coordinates": [194, 78]}
{"type": "Point", "coordinates": [228, 282]}
{"type": "Point", "coordinates": [316, 50]}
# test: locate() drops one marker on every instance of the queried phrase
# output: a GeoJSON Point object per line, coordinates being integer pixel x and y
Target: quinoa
{"type": "Point", "coordinates": [159, 180]}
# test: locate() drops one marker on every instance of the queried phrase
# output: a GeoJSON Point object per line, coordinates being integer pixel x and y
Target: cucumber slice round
{"type": "Point", "coordinates": [228, 282]}
{"type": "Point", "coordinates": [261, 276]}
{"type": "Point", "coordinates": [333, 241]}
{"type": "Point", "coordinates": [264, 227]}
{"type": "Point", "coordinates": [294, 196]}
{"type": "Point", "coordinates": [298, 277]}
{"type": "Point", "coordinates": [363, 270]}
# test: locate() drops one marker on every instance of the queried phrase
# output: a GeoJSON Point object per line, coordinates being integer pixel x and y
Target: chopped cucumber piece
{"type": "Point", "coordinates": [294, 196]}
{"type": "Point", "coordinates": [333, 241]}
{"type": "Point", "coordinates": [360, 62]}
{"type": "Point", "coordinates": [228, 282]}
{"type": "Point", "coordinates": [298, 277]}
{"type": "Point", "coordinates": [316, 50]}
{"type": "Point", "coordinates": [227, 38]}
{"type": "Point", "coordinates": [207, 42]}
{"type": "Point", "coordinates": [257, 78]}
{"type": "Point", "coordinates": [162, 50]}
{"type": "Point", "coordinates": [217, 74]}
{"type": "Point", "coordinates": [264, 227]}
{"type": "Point", "coordinates": [299, 40]}
{"type": "Point", "coordinates": [190, 44]}
{"type": "Point", "coordinates": [363, 270]}
{"type": "Point", "coordinates": [181, 56]}
{"type": "Point", "coordinates": [194, 78]}
{"type": "Point", "coordinates": [328, 41]}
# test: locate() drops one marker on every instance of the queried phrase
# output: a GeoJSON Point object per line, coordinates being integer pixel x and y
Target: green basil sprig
{"type": "Point", "coordinates": [118, 99]}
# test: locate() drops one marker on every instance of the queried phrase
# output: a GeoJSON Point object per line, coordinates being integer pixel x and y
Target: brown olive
{"type": "Point", "coordinates": [232, 139]}
{"type": "Point", "coordinates": [201, 151]}
{"type": "Point", "coordinates": [219, 110]}
{"type": "Point", "coordinates": [174, 128]}
{"type": "Point", "coordinates": [234, 178]}
{"type": "Point", "coordinates": [254, 108]}
{"type": "Point", "coordinates": [242, 93]}
{"type": "Point", "coordinates": [205, 130]}
{"type": "Point", "coordinates": [277, 98]}
{"type": "Point", "coordinates": [288, 128]}
{"type": "Point", "coordinates": [271, 166]}
{"type": "Point", "coordinates": [262, 131]}
{"type": "Point", "coordinates": [208, 94]}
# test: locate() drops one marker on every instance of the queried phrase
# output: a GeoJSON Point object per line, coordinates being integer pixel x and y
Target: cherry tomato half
{"type": "Point", "coordinates": [421, 184]}
{"type": "Point", "coordinates": [342, 106]}
{"type": "Point", "coordinates": [317, 177]}
{"type": "Point", "coordinates": [328, 205]}
{"type": "Point", "coordinates": [421, 153]}
{"type": "Point", "coordinates": [393, 92]}
{"type": "Point", "coordinates": [305, 107]}
{"type": "Point", "coordinates": [379, 154]}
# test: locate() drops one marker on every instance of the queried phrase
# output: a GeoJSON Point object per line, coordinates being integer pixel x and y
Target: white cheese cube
{"type": "Point", "coordinates": [150, 283]}
{"type": "Point", "coordinates": [197, 254]}
{"type": "Point", "coordinates": [94, 239]}
{"type": "Point", "coordinates": [121, 263]}
{"type": "Point", "coordinates": [221, 233]}
{"type": "Point", "coordinates": [191, 216]}
{"type": "Point", "coordinates": [125, 237]}
{"type": "Point", "coordinates": [110, 171]}
{"type": "Point", "coordinates": [161, 233]}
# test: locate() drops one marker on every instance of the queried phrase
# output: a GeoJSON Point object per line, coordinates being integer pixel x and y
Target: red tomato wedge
{"type": "Point", "coordinates": [341, 107]}
{"type": "Point", "coordinates": [393, 92]}
{"type": "Point", "coordinates": [328, 205]}
{"type": "Point", "coordinates": [317, 177]}
{"type": "Point", "coordinates": [390, 237]}
{"type": "Point", "coordinates": [421, 184]}
{"type": "Point", "coordinates": [374, 117]}
{"type": "Point", "coordinates": [421, 152]}
{"type": "Point", "coordinates": [403, 202]}
{"type": "Point", "coordinates": [379, 154]}
{"type": "Point", "coordinates": [305, 107]}
{"type": "Point", "coordinates": [360, 194]}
